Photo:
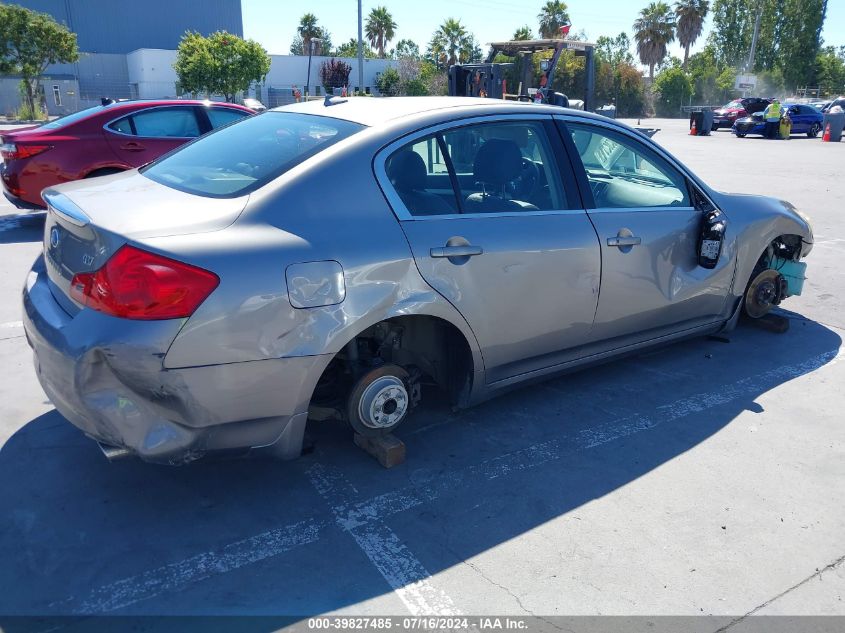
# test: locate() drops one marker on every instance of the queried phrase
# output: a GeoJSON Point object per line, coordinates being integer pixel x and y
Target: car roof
{"type": "Point", "coordinates": [374, 112]}
{"type": "Point", "coordinates": [150, 103]}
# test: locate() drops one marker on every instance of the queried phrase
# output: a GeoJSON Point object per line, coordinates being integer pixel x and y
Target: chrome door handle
{"type": "Point", "coordinates": [465, 250]}
{"type": "Point", "coordinates": [624, 241]}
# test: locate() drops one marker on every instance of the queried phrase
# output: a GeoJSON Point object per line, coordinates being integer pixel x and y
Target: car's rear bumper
{"type": "Point", "coordinates": [10, 180]}
{"type": "Point", "coordinates": [106, 376]}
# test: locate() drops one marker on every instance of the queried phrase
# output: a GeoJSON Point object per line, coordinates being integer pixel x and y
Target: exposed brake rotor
{"type": "Point", "coordinates": [764, 292]}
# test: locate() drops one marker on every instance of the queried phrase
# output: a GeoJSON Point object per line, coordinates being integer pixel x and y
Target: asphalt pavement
{"type": "Point", "coordinates": [701, 478]}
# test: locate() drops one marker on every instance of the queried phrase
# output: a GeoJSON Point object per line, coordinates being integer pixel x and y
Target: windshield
{"type": "Point", "coordinates": [70, 118]}
{"type": "Point", "coordinates": [735, 104]}
{"type": "Point", "coordinates": [246, 155]}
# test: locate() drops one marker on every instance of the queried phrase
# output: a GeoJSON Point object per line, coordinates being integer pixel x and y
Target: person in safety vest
{"type": "Point", "coordinates": [772, 118]}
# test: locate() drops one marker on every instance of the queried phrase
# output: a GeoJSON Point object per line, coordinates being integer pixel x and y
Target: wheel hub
{"type": "Point", "coordinates": [384, 403]}
{"type": "Point", "coordinates": [763, 293]}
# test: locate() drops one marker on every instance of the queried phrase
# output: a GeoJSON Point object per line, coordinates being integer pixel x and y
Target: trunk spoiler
{"type": "Point", "coordinates": [64, 207]}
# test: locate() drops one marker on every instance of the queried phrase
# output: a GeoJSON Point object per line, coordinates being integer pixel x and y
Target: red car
{"type": "Point", "coordinates": [102, 140]}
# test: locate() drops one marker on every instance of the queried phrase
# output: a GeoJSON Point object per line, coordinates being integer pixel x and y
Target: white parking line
{"type": "Point", "coordinates": [405, 574]}
{"type": "Point", "coordinates": [11, 324]}
{"type": "Point", "coordinates": [364, 519]}
{"type": "Point", "coordinates": [174, 576]}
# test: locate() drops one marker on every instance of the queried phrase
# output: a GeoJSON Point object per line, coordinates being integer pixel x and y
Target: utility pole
{"type": "Point", "coordinates": [360, 48]}
{"type": "Point", "coordinates": [750, 65]}
{"type": "Point", "coordinates": [312, 44]}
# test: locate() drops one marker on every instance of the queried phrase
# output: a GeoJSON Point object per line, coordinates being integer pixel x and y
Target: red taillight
{"type": "Point", "coordinates": [135, 284]}
{"type": "Point", "coordinates": [12, 151]}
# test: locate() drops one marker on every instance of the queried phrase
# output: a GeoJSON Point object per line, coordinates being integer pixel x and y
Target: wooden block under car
{"type": "Point", "coordinates": [773, 323]}
{"type": "Point", "coordinates": [389, 450]}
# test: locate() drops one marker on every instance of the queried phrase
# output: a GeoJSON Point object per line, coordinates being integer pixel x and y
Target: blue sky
{"type": "Point", "coordinates": [273, 22]}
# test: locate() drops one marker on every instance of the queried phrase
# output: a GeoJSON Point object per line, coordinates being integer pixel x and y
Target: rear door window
{"type": "Point", "coordinates": [238, 159]}
{"type": "Point", "coordinates": [124, 125]}
{"type": "Point", "coordinates": [505, 167]}
{"type": "Point", "coordinates": [419, 175]}
{"type": "Point", "coordinates": [175, 122]}
{"type": "Point", "coordinates": [497, 167]}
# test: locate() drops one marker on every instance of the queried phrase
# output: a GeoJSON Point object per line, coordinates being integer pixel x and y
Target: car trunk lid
{"type": "Point", "coordinates": [88, 221]}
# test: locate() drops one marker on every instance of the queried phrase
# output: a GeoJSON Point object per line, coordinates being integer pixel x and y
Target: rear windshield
{"type": "Point", "coordinates": [246, 155]}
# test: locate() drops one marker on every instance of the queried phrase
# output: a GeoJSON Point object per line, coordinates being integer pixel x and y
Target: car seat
{"type": "Point", "coordinates": [406, 171]}
{"type": "Point", "coordinates": [497, 163]}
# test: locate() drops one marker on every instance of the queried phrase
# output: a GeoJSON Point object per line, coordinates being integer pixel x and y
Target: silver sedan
{"type": "Point", "coordinates": [326, 259]}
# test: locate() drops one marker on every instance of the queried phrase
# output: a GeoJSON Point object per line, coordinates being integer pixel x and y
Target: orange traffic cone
{"type": "Point", "coordinates": [826, 135]}
{"type": "Point", "coordinates": [692, 130]}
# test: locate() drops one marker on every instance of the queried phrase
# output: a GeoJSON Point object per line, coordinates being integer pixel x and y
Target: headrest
{"type": "Point", "coordinates": [406, 171]}
{"type": "Point", "coordinates": [497, 162]}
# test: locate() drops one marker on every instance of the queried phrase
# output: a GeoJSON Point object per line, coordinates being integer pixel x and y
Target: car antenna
{"type": "Point", "coordinates": [332, 100]}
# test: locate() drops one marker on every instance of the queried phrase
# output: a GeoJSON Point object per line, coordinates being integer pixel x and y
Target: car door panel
{"type": "Point", "coordinates": [523, 273]}
{"type": "Point", "coordinates": [531, 292]}
{"type": "Point", "coordinates": [656, 285]}
{"type": "Point", "coordinates": [651, 283]}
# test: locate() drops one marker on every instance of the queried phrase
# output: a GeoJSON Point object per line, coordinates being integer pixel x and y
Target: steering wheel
{"type": "Point", "coordinates": [523, 185]}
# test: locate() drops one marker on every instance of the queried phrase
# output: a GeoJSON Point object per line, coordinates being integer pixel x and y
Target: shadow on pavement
{"type": "Point", "coordinates": [81, 535]}
{"type": "Point", "coordinates": [22, 227]}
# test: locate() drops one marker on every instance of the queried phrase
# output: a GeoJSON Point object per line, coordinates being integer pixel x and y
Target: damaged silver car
{"type": "Point", "coordinates": [331, 257]}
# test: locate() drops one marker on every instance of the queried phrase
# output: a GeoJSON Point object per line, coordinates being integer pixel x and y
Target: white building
{"type": "Point", "coordinates": [151, 75]}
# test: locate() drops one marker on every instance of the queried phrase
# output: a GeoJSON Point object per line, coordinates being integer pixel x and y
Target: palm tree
{"type": "Point", "coordinates": [552, 16]}
{"type": "Point", "coordinates": [380, 28]}
{"type": "Point", "coordinates": [654, 30]}
{"type": "Point", "coordinates": [690, 16]}
{"type": "Point", "coordinates": [523, 33]}
{"type": "Point", "coordinates": [448, 42]}
{"type": "Point", "coordinates": [307, 30]}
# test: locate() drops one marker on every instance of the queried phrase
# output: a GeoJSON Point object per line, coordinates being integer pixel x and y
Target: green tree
{"type": "Point", "coordinates": [788, 42]}
{"type": "Point", "coordinates": [523, 33]}
{"type": "Point", "coordinates": [712, 84]}
{"type": "Point", "coordinates": [451, 43]}
{"type": "Point", "coordinates": [221, 63]}
{"type": "Point", "coordinates": [614, 50]}
{"type": "Point", "coordinates": [308, 30]}
{"type": "Point", "coordinates": [413, 76]}
{"type": "Point", "coordinates": [731, 33]}
{"type": "Point", "coordinates": [380, 29]}
{"type": "Point", "coordinates": [654, 30]}
{"type": "Point", "coordinates": [800, 38]}
{"type": "Point", "coordinates": [768, 40]}
{"type": "Point", "coordinates": [616, 78]}
{"type": "Point", "coordinates": [830, 70]}
{"type": "Point", "coordinates": [350, 49]}
{"type": "Point", "coordinates": [553, 15]}
{"type": "Point", "coordinates": [690, 16]}
{"type": "Point", "coordinates": [406, 48]}
{"type": "Point", "coordinates": [674, 89]}
{"type": "Point", "coordinates": [388, 82]}
{"type": "Point", "coordinates": [31, 41]}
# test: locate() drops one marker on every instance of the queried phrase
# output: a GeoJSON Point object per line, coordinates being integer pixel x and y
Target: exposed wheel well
{"type": "Point", "coordinates": [784, 246]}
{"type": "Point", "coordinates": [436, 347]}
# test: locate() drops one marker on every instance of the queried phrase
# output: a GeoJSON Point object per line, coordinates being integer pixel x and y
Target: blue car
{"type": "Point", "coordinates": [805, 120]}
